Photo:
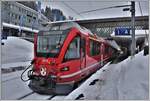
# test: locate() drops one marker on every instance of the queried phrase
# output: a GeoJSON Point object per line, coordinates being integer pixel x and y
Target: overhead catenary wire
{"type": "Point", "coordinates": [72, 9]}
{"type": "Point", "coordinates": [120, 6]}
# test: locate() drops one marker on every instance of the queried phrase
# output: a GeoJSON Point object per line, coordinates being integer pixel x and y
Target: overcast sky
{"type": "Point", "coordinates": [73, 7]}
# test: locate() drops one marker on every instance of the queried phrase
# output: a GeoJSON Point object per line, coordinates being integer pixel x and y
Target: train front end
{"type": "Point", "coordinates": [47, 46]}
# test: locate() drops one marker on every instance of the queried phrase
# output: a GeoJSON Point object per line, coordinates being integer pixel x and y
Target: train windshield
{"type": "Point", "coordinates": [50, 39]}
{"type": "Point", "coordinates": [49, 45]}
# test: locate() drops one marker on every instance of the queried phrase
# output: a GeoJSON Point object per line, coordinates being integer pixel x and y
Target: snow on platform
{"type": "Point", "coordinates": [127, 80]}
{"type": "Point", "coordinates": [16, 52]}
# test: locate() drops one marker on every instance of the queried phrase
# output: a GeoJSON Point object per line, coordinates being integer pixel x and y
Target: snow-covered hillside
{"type": "Point", "coordinates": [16, 51]}
{"type": "Point", "coordinates": [127, 80]}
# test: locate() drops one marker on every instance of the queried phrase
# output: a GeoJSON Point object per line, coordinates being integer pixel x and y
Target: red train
{"type": "Point", "coordinates": [65, 54]}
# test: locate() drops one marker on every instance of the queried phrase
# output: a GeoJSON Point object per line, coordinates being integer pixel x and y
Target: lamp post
{"type": "Point", "coordinates": [21, 24]}
{"type": "Point", "coordinates": [39, 13]}
{"type": "Point", "coordinates": [133, 45]}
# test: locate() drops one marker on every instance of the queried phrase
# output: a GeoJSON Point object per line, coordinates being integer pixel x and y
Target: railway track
{"type": "Point", "coordinates": [35, 96]}
{"type": "Point", "coordinates": [12, 82]}
{"type": "Point", "coordinates": [22, 92]}
{"type": "Point", "coordinates": [24, 96]}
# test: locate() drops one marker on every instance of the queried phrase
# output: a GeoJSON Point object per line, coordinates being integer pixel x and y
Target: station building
{"type": "Point", "coordinates": [19, 20]}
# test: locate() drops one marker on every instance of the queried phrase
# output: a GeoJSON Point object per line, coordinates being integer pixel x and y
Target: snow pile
{"type": "Point", "coordinates": [16, 50]}
{"type": "Point", "coordinates": [127, 80]}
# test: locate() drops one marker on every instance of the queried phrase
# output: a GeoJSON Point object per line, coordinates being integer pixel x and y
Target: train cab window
{"type": "Point", "coordinates": [49, 45]}
{"type": "Point", "coordinates": [73, 51]}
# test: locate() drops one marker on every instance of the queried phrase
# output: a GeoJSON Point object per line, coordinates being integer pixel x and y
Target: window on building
{"type": "Point", "coordinates": [23, 10]}
{"type": "Point", "coordinates": [34, 18]}
{"type": "Point", "coordinates": [12, 15]}
{"type": "Point", "coordinates": [19, 9]}
{"type": "Point", "coordinates": [9, 14]}
{"type": "Point", "coordinates": [19, 17]}
{"type": "Point", "coordinates": [11, 6]}
{"type": "Point", "coordinates": [16, 16]}
{"type": "Point", "coordinates": [94, 48]}
{"type": "Point", "coordinates": [29, 20]}
{"type": "Point", "coordinates": [15, 7]}
{"type": "Point", "coordinates": [73, 51]}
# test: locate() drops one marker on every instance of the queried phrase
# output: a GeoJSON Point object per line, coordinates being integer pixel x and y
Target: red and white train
{"type": "Point", "coordinates": [64, 54]}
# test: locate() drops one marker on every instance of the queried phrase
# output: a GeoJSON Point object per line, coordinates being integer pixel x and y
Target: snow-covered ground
{"type": "Point", "coordinates": [12, 87]}
{"type": "Point", "coordinates": [16, 52]}
{"type": "Point", "coordinates": [127, 80]}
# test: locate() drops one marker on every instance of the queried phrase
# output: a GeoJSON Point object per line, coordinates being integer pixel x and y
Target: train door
{"type": "Point", "coordinates": [83, 56]}
{"type": "Point", "coordinates": [71, 66]}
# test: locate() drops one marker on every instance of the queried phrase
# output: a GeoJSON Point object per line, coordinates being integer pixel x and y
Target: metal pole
{"type": "Point", "coordinates": [1, 26]}
{"type": "Point", "coordinates": [39, 13]}
{"type": "Point", "coordinates": [133, 45]}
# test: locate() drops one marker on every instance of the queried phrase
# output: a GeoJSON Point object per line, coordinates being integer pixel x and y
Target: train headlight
{"type": "Point", "coordinates": [43, 71]}
{"type": "Point", "coordinates": [64, 69]}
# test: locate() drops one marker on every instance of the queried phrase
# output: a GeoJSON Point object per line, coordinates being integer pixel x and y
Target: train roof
{"type": "Point", "coordinates": [63, 25]}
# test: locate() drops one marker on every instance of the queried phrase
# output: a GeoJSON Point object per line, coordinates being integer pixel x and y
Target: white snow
{"type": "Point", "coordinates": [16, 52]}
{"type": "Point", "coordinates": [59, 97]}
{"type": "Point", "coordinates": [16, 64]}
{"type": "Point", "coordinates": [36, 96]}
{"type": "Point", "coordinates": [12, 87]}
{"type": "Point", "coordinates": [127, 80]}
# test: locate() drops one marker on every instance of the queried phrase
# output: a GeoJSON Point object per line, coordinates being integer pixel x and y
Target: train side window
{"type": "Point", "coordinates": [106, 49]}
{"type": "Point", "coordinates": [83, 46]}
{"type": "Point", "coordinates": [110, 49]}
{"type": "Point", "coordinates": [73, 51]}
{"type": "Point", "coordinates": [94, 48]}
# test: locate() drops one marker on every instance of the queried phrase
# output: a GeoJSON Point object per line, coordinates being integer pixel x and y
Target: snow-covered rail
{"type": "Point", "coordinates": [12, 86]}
{"type": "Point", "coordinates": [14, 89]}
{"type": "Point", "coordinates": [24, 96]}
{"type": "Point", "coordinates": [36, 96]}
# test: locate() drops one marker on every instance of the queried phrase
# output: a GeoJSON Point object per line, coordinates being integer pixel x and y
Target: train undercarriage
{"type": "Point", "coordinates": [44, 85]}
